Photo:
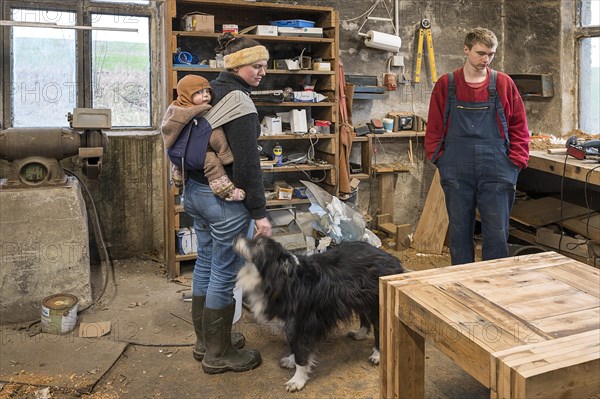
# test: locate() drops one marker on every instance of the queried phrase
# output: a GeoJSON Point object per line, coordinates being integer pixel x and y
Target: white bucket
{"type": "Point", "coordinates": [237, 295]}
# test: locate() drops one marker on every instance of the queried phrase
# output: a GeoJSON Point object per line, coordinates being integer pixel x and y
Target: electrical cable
{"type": "Point", "coordinates": [370, 9]}
{"type": "Point", "coordinates": [100, 238]}
{"type": "Point", "coordinates": [562, 181]}
{"type": "Point", "coordinates": [573, 246]}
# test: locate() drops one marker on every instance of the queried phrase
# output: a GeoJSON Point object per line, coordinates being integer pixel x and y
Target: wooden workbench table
{"type": "Point", "coordinates": [525, 327]}
{"type": "Point", "coordinates": [582, 170]}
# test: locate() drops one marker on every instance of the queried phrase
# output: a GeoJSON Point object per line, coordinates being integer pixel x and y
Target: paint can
{"type": "Point", "coordinates": [59, 313]}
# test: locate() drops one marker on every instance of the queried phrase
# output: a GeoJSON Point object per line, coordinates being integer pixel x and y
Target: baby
{"type": "Point", "coordinates": [193, 98]}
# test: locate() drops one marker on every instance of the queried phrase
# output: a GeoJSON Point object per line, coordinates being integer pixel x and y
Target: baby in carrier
{"type": "Point", "coordinates": [193, 98]}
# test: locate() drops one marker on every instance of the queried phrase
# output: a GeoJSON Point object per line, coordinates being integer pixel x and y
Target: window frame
{"type": "Point", "coordinates": [83, 10]}
{"type": "Point", "coordinates": [581, 32]}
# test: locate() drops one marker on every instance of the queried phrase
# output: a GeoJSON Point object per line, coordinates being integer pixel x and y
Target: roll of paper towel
{"type": "Point", "coordinates": [383, 41]}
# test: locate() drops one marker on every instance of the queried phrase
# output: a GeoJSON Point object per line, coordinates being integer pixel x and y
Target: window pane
{"type": "Point", "coordinates": [589, 99]}
{"type": "Point", "coordinates": [44, 81]}
{"type": "Point", "coordinates": [590, 12]}
{"type": "Point", "coordinates": [121, 69]}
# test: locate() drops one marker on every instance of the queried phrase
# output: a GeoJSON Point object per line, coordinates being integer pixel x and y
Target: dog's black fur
{"type": "Point", "coordinates": [312, 294]}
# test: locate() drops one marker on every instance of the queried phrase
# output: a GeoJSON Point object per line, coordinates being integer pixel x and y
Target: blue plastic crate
{"type": "Point", "coordinates": [294, 23]}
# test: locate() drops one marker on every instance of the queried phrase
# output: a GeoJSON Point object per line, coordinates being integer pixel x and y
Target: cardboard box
{"type": "Point", "coordinates": [286, 230]}
{"type": "Point", "coordinates": [298, 121]}
{"type": "Point", "coordinates": [322, 66]}
{"type": "Point", "coordinates": [272, 125]}
{"type": "Point", "coordinates": [265, 30]}
{"type": "Point", "coordinates": [231, 28]}
{"type": "Point", "coordinates": [199, 22]}
{"type": "Point", "coordinates": [284, 190]}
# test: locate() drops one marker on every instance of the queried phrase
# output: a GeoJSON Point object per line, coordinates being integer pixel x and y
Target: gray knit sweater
{"type": "Point", "coordinates": [242, 134]}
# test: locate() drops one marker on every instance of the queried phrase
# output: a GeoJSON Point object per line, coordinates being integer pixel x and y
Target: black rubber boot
{"type": "Point", "coordinates": [237, 339]}
{"type": "Point", "coordinates": [220, 354]}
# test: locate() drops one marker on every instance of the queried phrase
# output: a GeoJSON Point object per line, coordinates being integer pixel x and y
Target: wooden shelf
{"type": "Point", "coordinates": [360, 176]}
{"type": "Point", "coordinates": [181, 258]}
{"type": "Point", "coordinates": [246, 14]}
{"type": "Point", "coordinates": [304, 136]}
{"type": "Point", "coordinates": [293, 201]}
{"type": "Point", "coordinates": [297, 168]}
{"type": "Point", "coordinates": [403, 134]}
{"type": "Point", "coordinates": [199, 68]}
{"type": "Point", "coordinates": [261, 38]}
{"type": "Point", "coordinates": [294, 104]}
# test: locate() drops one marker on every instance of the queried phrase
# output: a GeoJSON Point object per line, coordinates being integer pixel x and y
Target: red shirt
{"type": "Point", "coordinates": [518, 132]}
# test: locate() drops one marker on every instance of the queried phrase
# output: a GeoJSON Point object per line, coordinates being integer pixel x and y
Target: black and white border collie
{"type": "Point", "coordinates": [310, 295]}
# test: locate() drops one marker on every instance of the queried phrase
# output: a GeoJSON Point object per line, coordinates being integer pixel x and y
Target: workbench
{"type": "Point", "coordinates": [525, 327]}
{"type": "Point", "coordinates": [586, 170]}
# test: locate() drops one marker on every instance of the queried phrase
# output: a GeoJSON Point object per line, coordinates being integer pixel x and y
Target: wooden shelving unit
{"type": "Point", "coordinates": [245, 14]}
{"type": "Point", "coordinates": [366, 148]}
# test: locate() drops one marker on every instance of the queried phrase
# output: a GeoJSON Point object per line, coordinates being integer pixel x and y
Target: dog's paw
{"type": "Point", "coordinates": [358, 335]}
{"type": "Point", "coordinates": [295, 384]}
{"type": "Point", "coordinates": [288, 362]}
{"type": "Point", "coordinates": [374, 358]}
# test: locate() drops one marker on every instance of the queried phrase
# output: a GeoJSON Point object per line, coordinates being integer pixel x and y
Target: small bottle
{"type": "Point", "coordinates": [278, 154]}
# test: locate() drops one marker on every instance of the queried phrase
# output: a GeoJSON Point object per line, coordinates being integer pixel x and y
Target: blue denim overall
{"type": "Point", "coordinates": [476, 172]}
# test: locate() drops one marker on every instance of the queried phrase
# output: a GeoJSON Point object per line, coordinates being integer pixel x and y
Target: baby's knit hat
{"type": "Point", "coordinates": [187, 86]}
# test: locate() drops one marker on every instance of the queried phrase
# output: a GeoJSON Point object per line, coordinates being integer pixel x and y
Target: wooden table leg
{"type": "Point", "coordinates": [409, 370]}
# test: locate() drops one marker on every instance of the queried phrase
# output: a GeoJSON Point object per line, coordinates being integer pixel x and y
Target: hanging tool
{"type": "Point", "coordinates": [425, 30]}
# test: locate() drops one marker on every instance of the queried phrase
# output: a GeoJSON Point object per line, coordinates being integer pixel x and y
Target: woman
{"type": "Point", "coordinates": [218, 222]}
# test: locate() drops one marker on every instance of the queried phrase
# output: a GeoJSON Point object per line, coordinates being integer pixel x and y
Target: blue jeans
{"type": "Point", "coordinates": [217, 223]}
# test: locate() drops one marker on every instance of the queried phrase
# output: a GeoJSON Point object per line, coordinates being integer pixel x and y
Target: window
{"type": "Point", "coordinates": [102, 62]}
{"type": "Point", "coordinates": [589, 66]}
{"type": "Point", "coordinates": [121, 69]}
{"type": "Point", "coordinates": [43, 92]}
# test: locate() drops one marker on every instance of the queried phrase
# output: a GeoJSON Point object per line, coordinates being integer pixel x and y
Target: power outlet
{"type": "Point", "coordinates": [398, 61]}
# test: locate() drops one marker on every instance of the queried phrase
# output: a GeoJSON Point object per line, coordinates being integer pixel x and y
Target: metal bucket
{"type": "Point", "coordinates": [59, 313]}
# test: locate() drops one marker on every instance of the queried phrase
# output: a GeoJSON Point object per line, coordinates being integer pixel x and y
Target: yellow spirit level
{"type": "Point", "coordinates": [425, 30]}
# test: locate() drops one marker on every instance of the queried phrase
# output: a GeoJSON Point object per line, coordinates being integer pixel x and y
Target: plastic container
{"type": "Point", "coordinates": [293, 23]}
{"type": "Point", "coordinates": [278, 154]}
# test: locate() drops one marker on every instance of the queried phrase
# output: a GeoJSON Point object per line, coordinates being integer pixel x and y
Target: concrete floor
{"type": "Point", "coordinates": [148, 354]}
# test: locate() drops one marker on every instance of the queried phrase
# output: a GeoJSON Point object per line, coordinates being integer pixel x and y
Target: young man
{"type": "Point", "coordinates": [478, 138]}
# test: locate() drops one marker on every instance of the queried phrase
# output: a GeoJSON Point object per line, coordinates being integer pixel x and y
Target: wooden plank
{"type": "Point", "coordinates": [431, 230]}
{"type": "Point", "coordinates": [442, 327]}
{"type": "Point", "coordinates": [485, 269]}
{"type": "Point", "coordinates": [544, 211]}
{"type": "Point", "coordinates": [410, 364]}
{"type": "Point", "coordinates": [520, 292]}
{"type": "Point", "coordinates": [541, 306]}
{"type": "Point", "coordinates": [402, 239]}
{"type": "Point", "coordinates": [581, 170]}
{"type": "Point", "coordinates": [564, 367]}
{"type": "Point", "coordinates": [586, 226]}
{"type": "Point", "coordinates": [386, 194]}
{"type": "Point", "coordinates": [563, 243]}
{"type": "Point", "coordinates": [495, 321]}
{"type": "Point", "coordinates": [389, 228]}
{"type": "Point", "coordinates": [572, 323]}
{"type": "Point", "coordinates": [384, 218]}
{"type": "Point", "coordinates": [578, 275]}
{"type": "Point", "coordinates": [386, 335]}
{"type": "Point", "coordinates": [580, 380]}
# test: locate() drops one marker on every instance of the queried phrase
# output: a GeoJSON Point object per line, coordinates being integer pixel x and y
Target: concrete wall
{"type": "Point", "coordinates": [533, 36]}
